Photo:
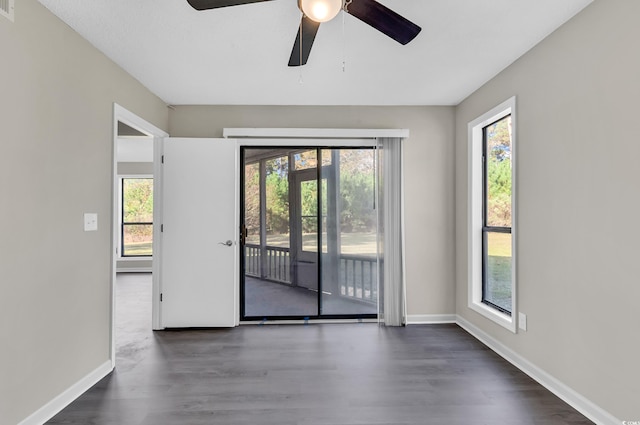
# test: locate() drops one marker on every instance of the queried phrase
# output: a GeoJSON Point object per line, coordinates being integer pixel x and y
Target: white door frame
{"type": "Point", "coordinates": [127, 117]}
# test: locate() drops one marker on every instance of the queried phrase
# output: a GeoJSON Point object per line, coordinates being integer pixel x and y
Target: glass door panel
{"type": "Point", "coordinates": [271, 287]}
{"type": "Point", "coordinates": [306, 224]}
{"type": "Point", "coordinates": [349, 265]}
{"type": "Point", "coordinates": [296, 201]}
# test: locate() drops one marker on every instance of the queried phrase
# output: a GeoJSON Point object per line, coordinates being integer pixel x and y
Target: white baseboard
{"type": "Point", "coordinates": [589, 409]}
{"type": "Point", "coordinates": [430, 319]}
{"type": "Point", "coordinates": [53, 407]}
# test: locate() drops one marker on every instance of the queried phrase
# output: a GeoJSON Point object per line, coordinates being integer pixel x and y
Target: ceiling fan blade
{"type": "Point", "coordinates": [304, 40]}
{"type": "Point", "coordinates": [384, 20]}
{"type": "Point", "coordinates": [215, 4]}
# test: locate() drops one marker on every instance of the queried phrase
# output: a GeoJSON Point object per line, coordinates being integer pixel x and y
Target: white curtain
{"type": "Point", "coordinates": [391, 297]}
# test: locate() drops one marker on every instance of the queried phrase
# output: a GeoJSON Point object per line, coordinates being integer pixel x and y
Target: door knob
{"type": "Point", "coordinates": [227, 243]}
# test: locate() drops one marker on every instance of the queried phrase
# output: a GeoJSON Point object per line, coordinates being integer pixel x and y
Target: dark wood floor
{"type": "Point", "coordinates": [312, 374]}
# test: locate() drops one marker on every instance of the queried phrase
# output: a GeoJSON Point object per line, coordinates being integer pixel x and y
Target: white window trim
{"type": "Point", "coordinates": [474, 213]}
{"type": "Point", "coordinates": [121, 177]}
{"type": "Point", "coordinates": [303, 134]}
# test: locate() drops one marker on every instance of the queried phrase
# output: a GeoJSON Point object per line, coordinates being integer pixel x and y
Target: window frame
{"type": "Point", "coordinates": [121, 251]}
{"type": "Point", "coordinates": [486, 228]}
{"type": "Point", "coordinates": [477, 213]}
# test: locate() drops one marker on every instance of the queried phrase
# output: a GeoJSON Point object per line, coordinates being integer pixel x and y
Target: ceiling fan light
{"type": "Point", "coordinates": [321, 10]}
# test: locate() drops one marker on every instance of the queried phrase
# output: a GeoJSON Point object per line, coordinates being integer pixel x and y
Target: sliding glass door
{"type": "Point", "coordinates": [309, 233]}
{"type": "Point", "coordinates": [349, 260]}
{"type": "Point", "coordinates": [276, 281]}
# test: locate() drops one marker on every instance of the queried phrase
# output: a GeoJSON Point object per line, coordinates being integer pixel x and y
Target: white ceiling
{"type": "Point", "coordinates": [238, 55]}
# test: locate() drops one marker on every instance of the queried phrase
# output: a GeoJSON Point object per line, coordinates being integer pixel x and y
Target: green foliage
{"type": "Point", "coordinates": [137, 208]}
{"type": "Point", "coordinates": [277, 191]}
{"type": "Point", "coordinates": [499, 204]}
{"type": "Point", "coordinates": [356, 192]}
{"type": "Point", "coordinates": [138, 200]}
{"type": "Point", "coordinates": [252, 199]}
{"type": "Point", "coordinates": [499, 173]}
{"type": "Point", "coordinates": [309, 198]}
{"type": "Point", "coordinates": [357, 195]}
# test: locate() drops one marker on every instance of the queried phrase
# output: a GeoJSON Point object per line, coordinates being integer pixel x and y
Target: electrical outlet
{"type": "Point", "coordinates": [90, 222]}
{"type": "Point", "coordinates": [522, 321]}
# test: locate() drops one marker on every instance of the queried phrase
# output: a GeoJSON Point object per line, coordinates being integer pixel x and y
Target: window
{"type": "Point", "coordinates": [492, 288]}
{"type": "Point", "coordinates": [137, 217]}
{"type": "Point", "coordinates": [496, 227]}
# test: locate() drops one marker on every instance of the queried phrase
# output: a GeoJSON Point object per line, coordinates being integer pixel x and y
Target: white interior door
{"type": "Point", "coordinates": [199, 239]}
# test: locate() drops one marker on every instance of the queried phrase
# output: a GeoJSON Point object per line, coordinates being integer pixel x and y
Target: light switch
{"type": "Point", "coordinates": [90, 222]}
{"type": "Point", "coordinates": [522, 321]}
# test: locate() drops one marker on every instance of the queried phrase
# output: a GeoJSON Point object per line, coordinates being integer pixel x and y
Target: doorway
{"type": "Point", "coordinates": [309, 225]}
{"type": "Point", "coordinates": [134, 162]}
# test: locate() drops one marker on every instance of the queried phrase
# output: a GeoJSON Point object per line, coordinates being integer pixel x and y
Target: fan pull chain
{"type": "Point", "coordinates": [345, 10]}
{"type": "Point", "coordinates": [344, 39]}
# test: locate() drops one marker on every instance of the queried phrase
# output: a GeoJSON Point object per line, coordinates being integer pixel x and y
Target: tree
{"type": "Point", "coordinates": [499, 173]}
{"type": "Point", "coordinates": [356, 192]}
{"type": "Point", "coordinates": [252, 199]}
{"type": "Point", "coordinates": [277, 195]}
{"type": "Point", "coordinates": [138, 200]}
{"type": "Point", "coordinates": [137, 207]}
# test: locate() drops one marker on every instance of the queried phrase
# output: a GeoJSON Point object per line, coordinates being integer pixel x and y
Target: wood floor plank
{"type": "Point", "coordinates": [331, 374]}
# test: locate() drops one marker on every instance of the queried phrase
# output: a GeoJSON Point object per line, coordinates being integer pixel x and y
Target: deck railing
{"type": "Point", "coordinates": [277, 264]}
{"type": "Point", "coordinates": [357, 277]}
{"type": "Point", "coordinates": [252, 260]}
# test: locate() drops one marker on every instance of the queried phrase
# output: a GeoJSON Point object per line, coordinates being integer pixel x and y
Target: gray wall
{"type": "Point", "coordinates": [429, 177]}
{"type": "Point", "coordinates": [56, 105]}
{"type": "Point", "coordinates": [578, 198]}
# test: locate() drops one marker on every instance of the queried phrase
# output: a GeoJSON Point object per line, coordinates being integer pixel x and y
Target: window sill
{"type": "Point", "coordinates": [494, 315]}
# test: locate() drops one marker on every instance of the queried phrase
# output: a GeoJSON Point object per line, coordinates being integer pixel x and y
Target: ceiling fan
{"type": "Point", "coordinates": [314, 12]}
